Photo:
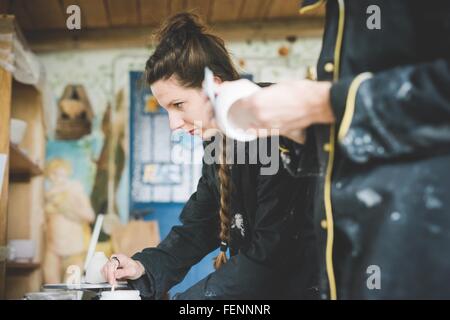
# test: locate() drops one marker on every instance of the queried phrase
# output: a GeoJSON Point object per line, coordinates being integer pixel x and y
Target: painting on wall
{"type": "Point", "coordinates": [68, 213]}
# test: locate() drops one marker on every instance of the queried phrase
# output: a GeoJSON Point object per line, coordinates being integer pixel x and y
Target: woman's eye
{"type": "Point", "coordinates": [178, 105]}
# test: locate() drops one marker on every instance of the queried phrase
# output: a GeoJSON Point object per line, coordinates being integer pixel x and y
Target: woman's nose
{"type": "Point", "coordinates": [175, 121]}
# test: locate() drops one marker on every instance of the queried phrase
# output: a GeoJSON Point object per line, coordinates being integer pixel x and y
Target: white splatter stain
{"type": "Point", "coordinates": [369, 197]}
{"type": "Point", "coordinates": [404, 90]}
{"type": "Point", "coordinates": [380, 150]}
{"type": "Point", "coordinates": [367, 138]}
{"type": "Point", "coordinates": [395, 216]}
{"type": "Point", "coordinates": [348, 139]}
{"type": "Point", "coordinates": [431, 201]}
{"type": "Point", "coordinates": [434, 229]}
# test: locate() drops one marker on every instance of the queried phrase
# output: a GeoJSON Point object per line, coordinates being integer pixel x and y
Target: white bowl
{"type": "Point", "coordinates": [24, 249]}
{"type": "Point", "coordinates": [121, 295]}
{"type": "Point", "coordinates": [17, 130]}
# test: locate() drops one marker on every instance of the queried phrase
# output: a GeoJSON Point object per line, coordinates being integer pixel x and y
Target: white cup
{"type": "Point", "coordinates": [94, 268]}
{"type": "Point", "coordinates": [228, 95]}
{"type": "Point", "coordinates": [120, 295]}
{"type": "Point", "coordinates": [23, 249]}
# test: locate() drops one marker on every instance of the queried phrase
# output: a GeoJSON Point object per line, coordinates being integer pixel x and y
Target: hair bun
{"type": "Point", "coordinates": [181, 26]}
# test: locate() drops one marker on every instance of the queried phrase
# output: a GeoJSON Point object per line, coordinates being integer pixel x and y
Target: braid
{"type": "Point", "coordinates": [225, 195]}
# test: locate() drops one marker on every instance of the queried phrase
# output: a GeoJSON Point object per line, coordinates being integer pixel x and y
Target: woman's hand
{"type": "Point", "coordinates": [290, 107]}
{"type": "Point", "coordinates": [122, 267]}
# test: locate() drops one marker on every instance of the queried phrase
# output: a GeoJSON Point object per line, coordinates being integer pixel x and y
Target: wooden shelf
{"type": "Point", "coordinates": [22, 207]}
{"type": "Point", "coordinates": [22, 266]}
{"type": "Point", "coordinates": [21, 166]}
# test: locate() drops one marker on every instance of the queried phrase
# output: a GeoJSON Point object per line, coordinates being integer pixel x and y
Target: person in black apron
{"type": "Point", "coordinates": [377, 127]}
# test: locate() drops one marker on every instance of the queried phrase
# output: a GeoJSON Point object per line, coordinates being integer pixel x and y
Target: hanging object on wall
{"type": "Point", "coordinates": [286, 49]}
{"type": "Point", "coordinates": [117, 129]}
{"type": "Point", "coordinates": [110, 165]}
{"type": "Point", "coordinates": [74, 114]}
{"type": "Point", "coordinates": [283, 51]}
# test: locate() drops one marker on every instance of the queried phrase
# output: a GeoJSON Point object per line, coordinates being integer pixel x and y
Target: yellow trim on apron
{"type": "Point", "coordinates": [340, 35]}
{"type": "Point", "coordinates": [350, 104]}
{"type": "Point", "coordinates": [329, 218]}
{"type": "Point", "coordinates": [329, 171]}
{"type": "Point", "coordinates": [311, 7]}
{"type": "Point", "coordinates": [283, 149]}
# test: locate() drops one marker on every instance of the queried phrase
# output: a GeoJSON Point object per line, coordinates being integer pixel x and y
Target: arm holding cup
{"type": "Point", "coordinates": [290, 107]}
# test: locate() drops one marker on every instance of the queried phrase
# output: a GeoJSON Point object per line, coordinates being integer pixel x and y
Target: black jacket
{"type": "Point", "coordinates": [384, 167]}
{"type": "Point", "coordinates": [273, 250]}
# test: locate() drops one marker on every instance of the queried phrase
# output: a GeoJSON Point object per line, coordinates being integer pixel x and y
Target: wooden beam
{"type": "Point", "coordinates": [283, 8]}
{"type": "Point", "coordinates": [123, 13]}
{"type": "Point", "coordinates": [177, 6]}
{"type": "Point", "coordinates": [5, 111]}
{"type": "Point", "coordinates": [200, 7]}
{"type": "Point", "coordinates": [141, 36]}
{"type": "Point", "coordinates": [269, 30]}
{"type": "Point", "coordinates": [46, 14]}
{"type": "Point", "coordinates": [153, 11]}
{"type": "Point", "coordinates": [254, 9]}
{"type": "Point", "coordinates": [225, 10]}
{"type": "Point", "coordinates": [23, 18]}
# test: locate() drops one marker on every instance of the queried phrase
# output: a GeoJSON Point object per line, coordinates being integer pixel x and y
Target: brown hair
{"type": "Point", "coordinates": [184, 50]}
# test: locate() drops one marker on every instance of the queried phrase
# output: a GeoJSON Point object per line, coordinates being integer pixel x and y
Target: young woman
{"type": "Point", "coordinates": [258, 218]}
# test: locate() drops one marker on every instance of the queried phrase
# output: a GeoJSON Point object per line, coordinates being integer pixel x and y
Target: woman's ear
{"type": "Point", "coordinates": [217, 80]}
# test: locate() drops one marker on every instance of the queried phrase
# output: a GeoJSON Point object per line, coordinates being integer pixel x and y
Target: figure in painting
{"type": "Point", "coordinates": [69, 214]}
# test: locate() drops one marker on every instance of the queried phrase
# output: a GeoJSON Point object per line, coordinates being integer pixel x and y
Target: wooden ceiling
{"type": "Point", "coordinates": [107, 23]}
